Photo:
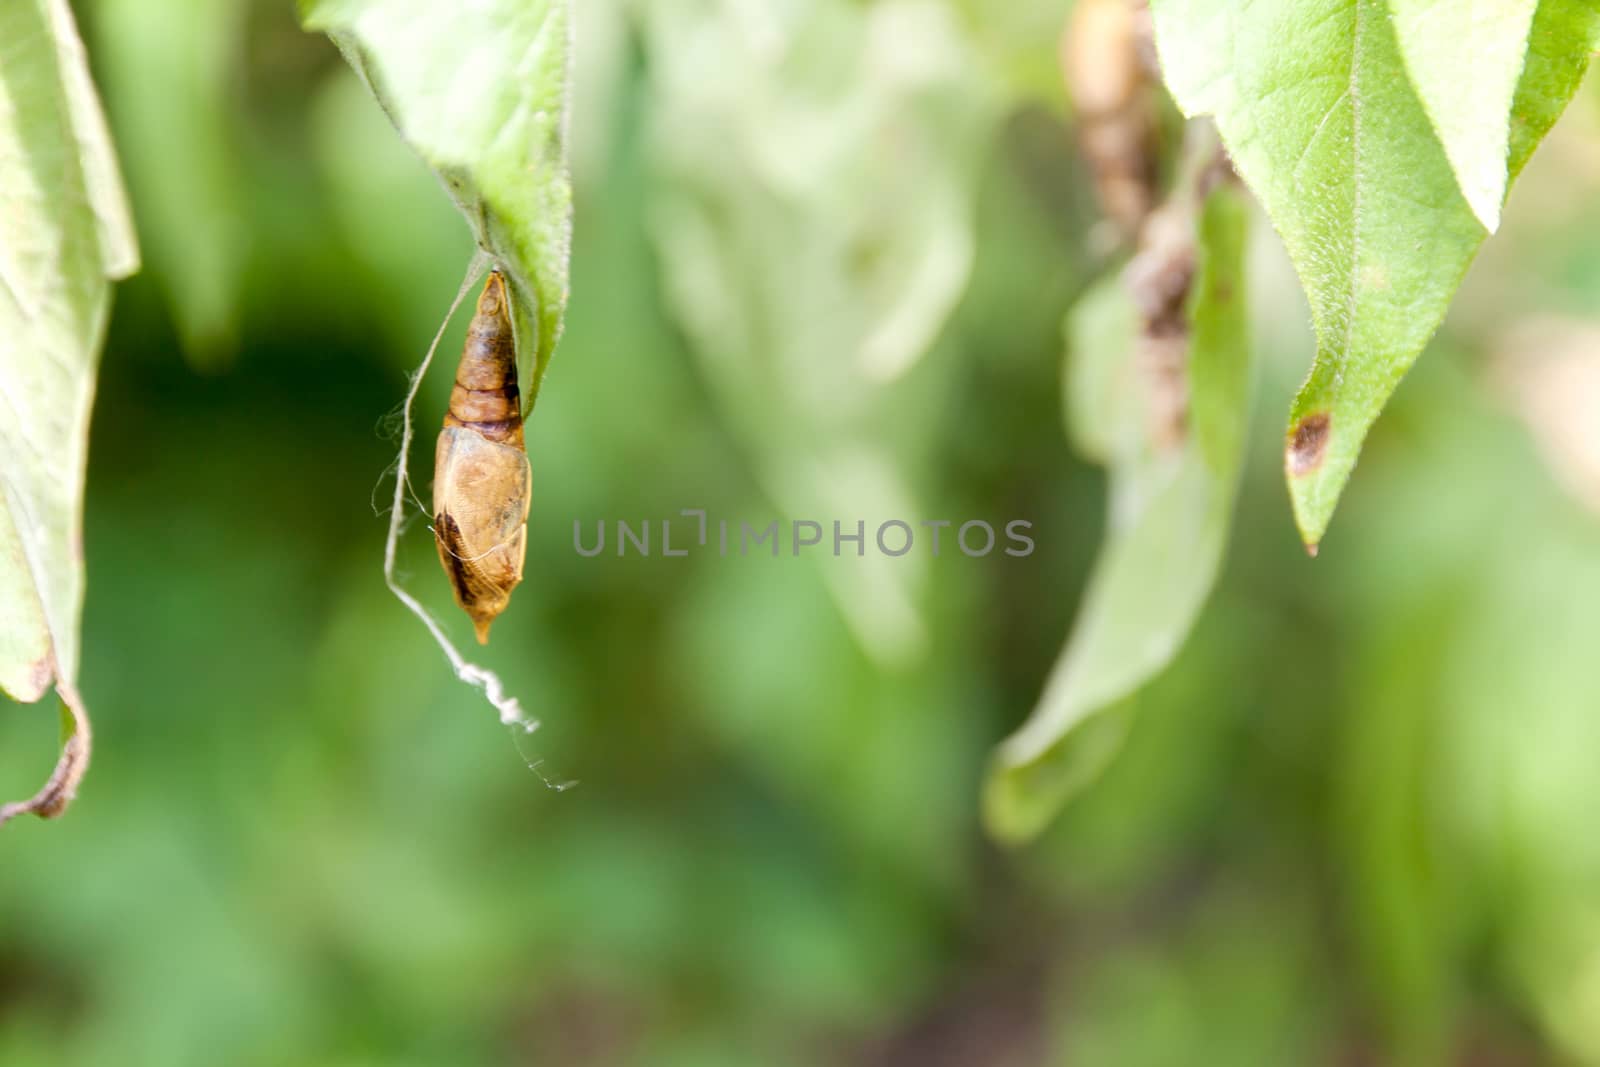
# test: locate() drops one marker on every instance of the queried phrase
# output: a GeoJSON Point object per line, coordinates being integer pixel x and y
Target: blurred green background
{"type": "Point", "coordinates": [822, 256]}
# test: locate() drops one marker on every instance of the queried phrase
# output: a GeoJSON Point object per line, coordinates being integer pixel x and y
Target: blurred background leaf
{"type": "Point", "coordinates": [1174, 465]}
{"type": "Point", "coordinates": [849, 137]}
{"type": "Point", "coordinates": [171, 76]}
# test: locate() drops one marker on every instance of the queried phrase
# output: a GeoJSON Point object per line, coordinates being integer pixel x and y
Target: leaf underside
{"type": "Point", "coordinates": [480, 92]}
{"type": "Point", "coordinates": [1441, 39]}
{"type": "Point", "coordinates": [1322, 118]}
{"type": "Point", "coordinates": [65, 234]}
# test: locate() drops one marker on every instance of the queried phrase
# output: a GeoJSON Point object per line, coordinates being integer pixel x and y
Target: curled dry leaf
{"type": "Point", "coordinates": [62, 787]}
{"type": "Point", "coordinates": [481, 479]}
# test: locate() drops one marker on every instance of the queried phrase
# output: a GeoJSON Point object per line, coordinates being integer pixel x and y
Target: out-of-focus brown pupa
{"type": "Point", "coordinates": [481, 479]}
{"type": "Point", "coordinates": [1109, 64]}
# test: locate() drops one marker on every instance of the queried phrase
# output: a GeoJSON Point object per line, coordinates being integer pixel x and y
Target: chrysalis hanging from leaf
{"type": "Point", "coordinates": [481, 479]}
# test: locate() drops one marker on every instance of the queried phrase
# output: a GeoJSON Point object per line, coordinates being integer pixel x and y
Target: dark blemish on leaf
{"type": "Point", "coordinates": [1308, 443]}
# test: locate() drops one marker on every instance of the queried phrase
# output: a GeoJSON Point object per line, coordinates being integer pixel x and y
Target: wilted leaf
{"type": "Point", "coordinates": [480, 91]}
{"type": "Point", "coordinates": [1168, 521]}
{"type": "Point", "coordinates": [1314, 104]}
{"type": "Point", "coordinates": [64, 235]}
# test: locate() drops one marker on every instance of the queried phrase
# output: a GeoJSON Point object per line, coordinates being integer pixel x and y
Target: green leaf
{"type": "Point", "coordinates": [1169, 515]}
{"type": "Point", "coordinates": [480, 91]}
{"type": "Point", "coordinates": [65, 234]}
{"type": "Point", "coordinates": [1314, 104]}
{"type": "Point", "coordinates": [1465, 58]}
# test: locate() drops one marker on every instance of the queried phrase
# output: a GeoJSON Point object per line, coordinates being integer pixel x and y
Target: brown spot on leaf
{"type": "Point", "coordinates": [1308, 443]}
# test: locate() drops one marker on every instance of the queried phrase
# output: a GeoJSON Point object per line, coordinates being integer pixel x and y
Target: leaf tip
{"type": "Point", "coordinates": [1313, 510]}
{"type": "Point", "coordinates": [1005, 812]}
{"type": "Point", "coordinates": [1315, 480]}
{"type": "Point", "coordinates": [1485, 204]}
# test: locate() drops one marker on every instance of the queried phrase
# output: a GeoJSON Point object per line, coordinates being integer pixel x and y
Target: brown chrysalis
{"type": "Point", "coordinates": [481, 479]}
